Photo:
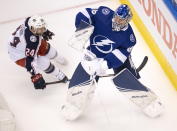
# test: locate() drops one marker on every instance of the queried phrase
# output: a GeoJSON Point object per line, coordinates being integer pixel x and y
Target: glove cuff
{"type": "Point", "coordinates": [104, 65]}
{"type": "Point", "coordinates": [35, 78]}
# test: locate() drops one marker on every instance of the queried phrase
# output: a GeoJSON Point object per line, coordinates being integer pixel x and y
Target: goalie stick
{"type": "Point", "coordinates": [141, 66]}
{"type": "Point", "coordinates": [54, 82]}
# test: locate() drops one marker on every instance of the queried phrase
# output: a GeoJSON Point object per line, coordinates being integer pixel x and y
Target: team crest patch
{"type": "Point", "coordinates": [33, 38]}
{"type": "Point", "coordinates": [132, 38]}
{"type": "Point", "coordinates": [105, 11]}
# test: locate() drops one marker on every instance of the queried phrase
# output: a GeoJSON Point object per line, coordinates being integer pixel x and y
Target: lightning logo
{"type": "Point", "coordinates": [103, 44]}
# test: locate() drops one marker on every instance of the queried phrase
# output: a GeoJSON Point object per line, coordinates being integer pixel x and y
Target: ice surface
{"type": "Point", "coordinates": [38, 110]}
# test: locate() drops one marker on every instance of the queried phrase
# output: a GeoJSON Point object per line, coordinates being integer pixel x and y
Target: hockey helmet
{"type": "Point", "coordinates": [121, 17]}
{"type": "Point", "coordinates": [37, 25]}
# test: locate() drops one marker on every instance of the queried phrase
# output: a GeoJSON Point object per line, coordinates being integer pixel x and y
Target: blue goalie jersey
{"type": "Point", "coordinates": [112, 46]}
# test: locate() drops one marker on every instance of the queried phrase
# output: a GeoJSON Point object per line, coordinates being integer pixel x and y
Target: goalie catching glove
{"type": "Point", "coordinates": [38, 81]}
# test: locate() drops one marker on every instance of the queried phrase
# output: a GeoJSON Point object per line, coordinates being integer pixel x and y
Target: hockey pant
{"type": "Point", "coordinates": [42, 62]}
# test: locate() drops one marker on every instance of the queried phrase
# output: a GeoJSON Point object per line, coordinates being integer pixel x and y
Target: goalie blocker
{"type": "Point", "coordinates": [142, 96]}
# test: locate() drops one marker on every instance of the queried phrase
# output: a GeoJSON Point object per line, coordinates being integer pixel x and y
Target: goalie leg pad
{"type": "Point", "coordinates": [142, 96]}
{"type": "Point", "coordinates": [80, 77]}
{"type": "Point", "coordinates": [79, 95]}
{"type": "Point", "coordinates": [78, 98]}
{"type": "Point", "coordinates": [154, 109]}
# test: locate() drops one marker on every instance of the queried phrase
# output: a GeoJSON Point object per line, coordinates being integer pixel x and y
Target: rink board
{"type": "Point", "coordinates": [153, 45]}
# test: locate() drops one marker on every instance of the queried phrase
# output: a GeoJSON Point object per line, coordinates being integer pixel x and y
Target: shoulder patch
{"type": "Point", "coordinates": [105, 11]}
{"type": "Point", "coordinates": [132, 38]}
{"type": "Point", "coordinates": [33, 38]}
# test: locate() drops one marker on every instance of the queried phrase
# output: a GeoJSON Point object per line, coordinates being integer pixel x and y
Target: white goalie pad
{"type": "Point", "coordinates": [81, 36]}
{"type": "Point", "coordinates": [78, 98]}
{"type": "Point", "coordinates": [154, 109]}
{"type": "Point", "coordinates": [142, 96]}
{"type": "Point", "coordinates": [79, 94]}
{"type": "Point", "coordinates": [7, 120]}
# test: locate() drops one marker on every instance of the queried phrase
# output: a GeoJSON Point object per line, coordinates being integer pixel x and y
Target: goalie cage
{"type": "Point", "coordinates": [7, 121]}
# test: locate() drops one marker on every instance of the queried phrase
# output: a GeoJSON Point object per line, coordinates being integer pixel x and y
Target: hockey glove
{"type": "Point", "coordinates": [95, 67]}
{"type": "Point", "coordinates": [38, 81]}
{"type": "Point", "coordinates": [47, 35]}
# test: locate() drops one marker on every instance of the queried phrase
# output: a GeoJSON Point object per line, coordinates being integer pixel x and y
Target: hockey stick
{"type": "Point", "coordinates": [54, 82]}
{"type": "Point", "coordinates": [141, 66]}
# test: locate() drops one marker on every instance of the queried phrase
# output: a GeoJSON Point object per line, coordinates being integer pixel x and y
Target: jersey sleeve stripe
{"type": "Point", "coordinates": [119, 55]}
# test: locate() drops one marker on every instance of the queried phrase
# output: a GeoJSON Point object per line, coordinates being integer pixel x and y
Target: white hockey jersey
{"type": "Point", "coordinates": [23, 43]}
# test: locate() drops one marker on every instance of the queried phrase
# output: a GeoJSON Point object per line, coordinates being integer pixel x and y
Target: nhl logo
{"type": "Point", "coordinates": [33, 38]}
{"type": "Point", "coordinates": [105, 11]}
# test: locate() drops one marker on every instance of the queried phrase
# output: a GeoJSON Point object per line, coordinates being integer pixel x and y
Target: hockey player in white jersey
{"type": "Point", "coordinates": [29, 47]}
{"type": "Point", "coordinates": [111, 41]}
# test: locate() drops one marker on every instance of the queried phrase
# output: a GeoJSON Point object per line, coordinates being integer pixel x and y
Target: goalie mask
{"type": "Point", "coordinates": [121, 18]}
{"type": "Point", "coordinates": [37, 25]}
